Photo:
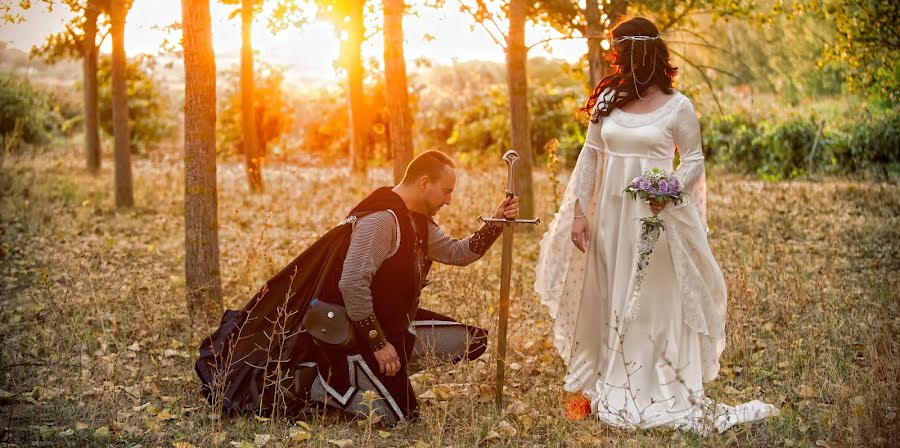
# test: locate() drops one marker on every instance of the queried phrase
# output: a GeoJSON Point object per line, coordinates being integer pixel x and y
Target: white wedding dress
{"type": "Point", "coordinates": [650, 372]}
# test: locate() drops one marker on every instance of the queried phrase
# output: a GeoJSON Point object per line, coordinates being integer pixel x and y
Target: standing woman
{"type": "Point", "coordinates": [649, 371]}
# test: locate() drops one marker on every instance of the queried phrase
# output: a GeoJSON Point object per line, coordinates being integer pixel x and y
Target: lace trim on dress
{"type": "Point", "coordinates": [632, 120]}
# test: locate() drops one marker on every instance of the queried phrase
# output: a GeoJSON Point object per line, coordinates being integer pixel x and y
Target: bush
{"type": "Point", "coordinates": [271, 110]}
{"type": "Point", "coordinates": [774, 151]}
{"type": "Point", "coordinates": [768, 150]}
{"type": "Point", "coordinates": [27, 115]}
{"type": "Point", "coordinates": [149, 112]}
{"type": "Point", "coordinates": [728, 140]}
{"type": "Point", "coordinates": [871, 145]}
{"type": "Point", "coordinates": [785, 148]}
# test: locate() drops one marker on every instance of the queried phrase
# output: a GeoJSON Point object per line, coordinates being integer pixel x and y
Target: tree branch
{"type": "Point", "coordinates": [705, 78]}
{"type": "Point", "coordinates": [687, 9]}
{"type": "Point", "coordinates": [553, 39]}
{"type": "Point", "coordinates": [468, 10]}
{"type": "Point", "coordinates": [103, 37]}
{"type": "Point", "coordinates": [723, 50]}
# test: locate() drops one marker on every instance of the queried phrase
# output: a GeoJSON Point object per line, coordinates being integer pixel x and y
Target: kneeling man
{"type": "Point", "coordinates": [371, 267]}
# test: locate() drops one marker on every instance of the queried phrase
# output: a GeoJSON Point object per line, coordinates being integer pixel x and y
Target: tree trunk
{"type": "Point", "coordinates": [89, 66]}
{"type": "Point", "coordinates": [124, 188]}
{"type": "Point", "coordinates": [201, 226]}
{"type": "Point", "coordinates": [359, 129]}
{"type": "Point", "coordinates": [249, 142]}
{"type": "Point", "coordinates": [516, 58]}
{"type": "Point", "coordinates": [595, 35]}
{"type": "Point", "coordinates": [397, 94]}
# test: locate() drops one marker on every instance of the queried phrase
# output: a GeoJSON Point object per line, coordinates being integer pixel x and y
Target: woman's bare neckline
{"type": "Point", "coordinates": [650, 104]}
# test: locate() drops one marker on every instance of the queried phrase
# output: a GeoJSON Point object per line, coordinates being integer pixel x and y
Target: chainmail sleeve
{"type": "Point", "coordinates": [448, 250]}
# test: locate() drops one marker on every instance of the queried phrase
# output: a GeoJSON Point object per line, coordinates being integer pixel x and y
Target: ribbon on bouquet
{"type": "Point", "coordinates": [651, 227]}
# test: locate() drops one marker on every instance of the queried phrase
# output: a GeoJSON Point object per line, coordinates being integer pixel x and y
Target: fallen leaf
{"type": "Point", "coordinates": [80, 426]}
{"type": "Point", "coordinates": [809, 391]}
{"type": "Point", "coordinates": [442, 392]}
{"type": "Point", "coordinates": [384, 434]}
{"type": "Point", "coordinates": [65, 434]}
{"type": "Point", "coordinates": [526, 422]}
{"type": "Point", "coordinates": [505, 429]}
{"type": "Point", "coordinates": [183, 445]}
{"type": "Point", "coordinates": [261, 439]}
{"type": "Point", "coordinates": [241, 444]}
{"type": "Point", "coordinates": [342, 443]}
{"type": "Point", "coordinates": [102, 432]}
{"type": "Point", "coordinates": [165, 415]}
{"type": "Point", "coordinates": [299, 434]}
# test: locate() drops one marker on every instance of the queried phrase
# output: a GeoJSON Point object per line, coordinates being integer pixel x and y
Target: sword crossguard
{"type": "Point", "coordinates": [510, 221]}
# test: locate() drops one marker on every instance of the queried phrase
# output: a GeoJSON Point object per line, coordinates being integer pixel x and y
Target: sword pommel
{"type": "Point", "coordinates": [511, 157]}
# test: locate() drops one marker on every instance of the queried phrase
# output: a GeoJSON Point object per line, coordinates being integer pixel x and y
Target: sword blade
{"type": "Point", "coordinates": [505, 274]}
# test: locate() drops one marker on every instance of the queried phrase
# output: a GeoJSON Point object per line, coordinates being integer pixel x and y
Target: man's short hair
{"type": "Point", "coordinates": [430, 163]}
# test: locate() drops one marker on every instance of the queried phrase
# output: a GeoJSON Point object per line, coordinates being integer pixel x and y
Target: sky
{"type": "Point", "coordinates": [307, 52]}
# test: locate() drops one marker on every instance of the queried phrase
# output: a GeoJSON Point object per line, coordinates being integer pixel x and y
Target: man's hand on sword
{"type": "Point", "coordinates": [508, 209]}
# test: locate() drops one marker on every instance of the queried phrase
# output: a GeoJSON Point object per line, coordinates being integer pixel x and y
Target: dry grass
{"type": "Point", "coordinates": [96, 349]}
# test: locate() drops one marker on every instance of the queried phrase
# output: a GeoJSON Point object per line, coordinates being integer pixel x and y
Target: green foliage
{"type": "Point", "coordinates": [149, 110]}
{"type": "Point", "coordinates": [464, 108]}
{"type": "Point", "coordinates": [782, 150]}
{"type": "Point", "coordinates": [769, 150]}
{"type": "Point", "coordinates": [322, 125]}
{"type": "Point", "coordinates": [872, 145]}
{"type": "Point", "coordinates": [728, 140]}
{"type": "Point", "coordinates": [27, 115]}
{"type": "Point", "coordinates": [270, 107]}
{"type": "Point", "coordinates": [323, 120]}
{"type": "Point", "coordinates": [69, 43]}
{"type": "Point", "coordinates": [867, 38]}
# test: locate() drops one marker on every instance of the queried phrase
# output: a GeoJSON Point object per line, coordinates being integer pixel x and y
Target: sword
{"type": "Point", "coordinates": [511, 157]}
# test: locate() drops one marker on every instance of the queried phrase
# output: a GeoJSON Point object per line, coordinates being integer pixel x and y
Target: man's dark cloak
{"type": "Point", "coordinates": [250, 363]}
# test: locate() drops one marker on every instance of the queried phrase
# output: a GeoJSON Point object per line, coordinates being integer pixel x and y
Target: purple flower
{"type": "Point", "coordinates": [645, 185]}
{"type": "Point", "coordinates": [676, 186]}
{"type": "Point", "coordinates": [663, 186]}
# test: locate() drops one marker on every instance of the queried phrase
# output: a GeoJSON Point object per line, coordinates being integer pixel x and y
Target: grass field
{"type": "Point", "coordinates": [96, 348]}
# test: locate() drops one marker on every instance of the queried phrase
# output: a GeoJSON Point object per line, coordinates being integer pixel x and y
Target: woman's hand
{"type": "Point", "coordinates": [657, 206]}
{"type": "Point", "coordinates": [581, 229]}
{"type": "Point", "coordinates": [581, 233]}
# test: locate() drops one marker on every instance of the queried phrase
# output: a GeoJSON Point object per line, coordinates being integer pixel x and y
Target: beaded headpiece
{"type": "Point", "coordinates": [633, 39]}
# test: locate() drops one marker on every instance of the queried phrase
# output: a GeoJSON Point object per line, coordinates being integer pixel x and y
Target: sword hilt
{"type": "Point", "coordinates": [511, 157]}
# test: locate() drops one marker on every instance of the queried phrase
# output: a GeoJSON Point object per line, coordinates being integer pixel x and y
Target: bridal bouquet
{"type": "Point", "coordinates": [661, 187]}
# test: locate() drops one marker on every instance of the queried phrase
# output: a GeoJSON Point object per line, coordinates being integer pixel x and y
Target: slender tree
{"type": "Point", "coordinates": [359, 117]}
{"type": "Point", "coordinates": [123, 182]}
{"type": "Point", "coordinates": [201, 226]}
{"type": "Point", "coordinates": [250, 145]}
{"type": "Point", "coordinates": [89, 75]}
{"type": "Point", "coordinates": [397, 93]}
{"type": "Point", "coordinates": [79, 41]}
{"type": "Point", "coordinates": [517, 84]}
